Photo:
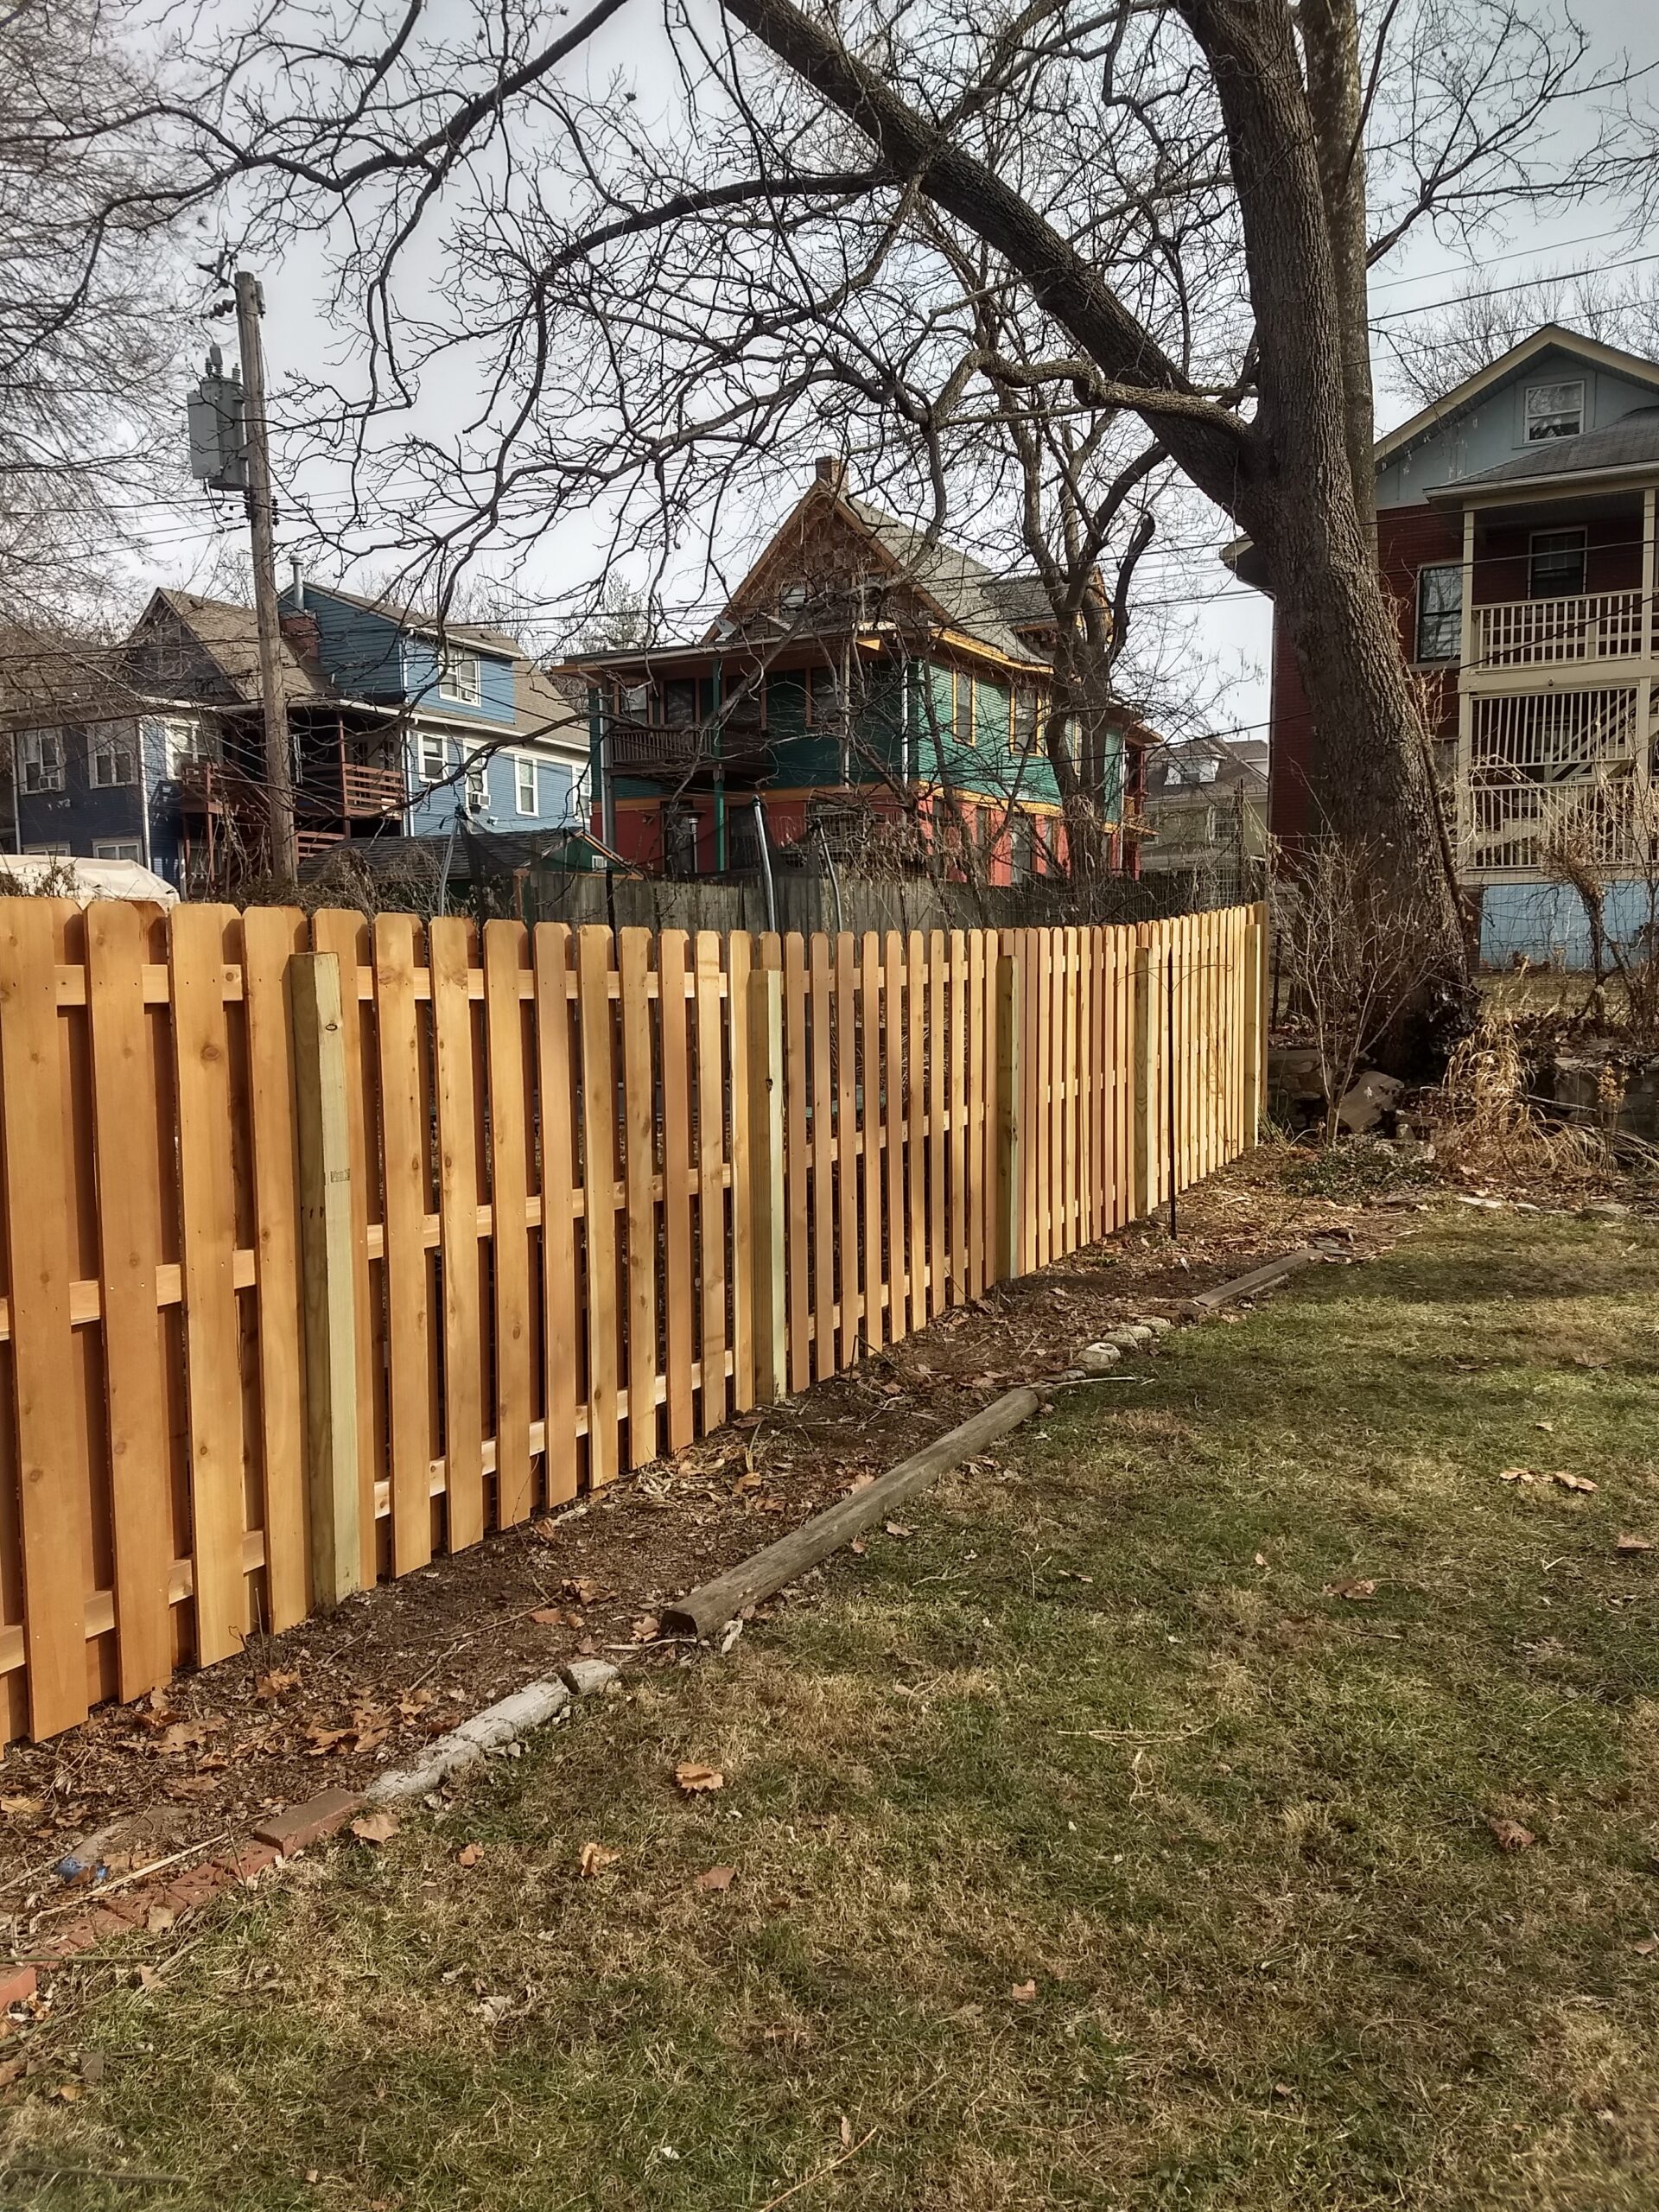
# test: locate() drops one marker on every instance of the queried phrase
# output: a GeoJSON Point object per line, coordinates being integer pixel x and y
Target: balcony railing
{"type": "Point", "coordinates": [680, 748]}
{"type": "Point", "coordinates": [367, 792]}
{"type": "Point", "coordinates": [1527, 633]}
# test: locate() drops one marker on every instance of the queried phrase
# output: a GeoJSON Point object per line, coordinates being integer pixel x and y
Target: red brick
{"type": "Point", "coordinates": [17, 1985]}
{"type": "Point", "coordinates": [187, 1890]}
{"type": "Point", "coordinates": [251, 1858]}
{"type": "Point", "coordinates": [296, 1826]}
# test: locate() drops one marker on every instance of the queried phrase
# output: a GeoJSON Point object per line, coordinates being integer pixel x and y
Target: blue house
{"type": "Point", "coordinates": [397, 731]}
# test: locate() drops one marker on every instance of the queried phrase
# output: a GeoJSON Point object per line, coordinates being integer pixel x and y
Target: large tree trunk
{"type": "Point", "coordinates": [1335, 104]}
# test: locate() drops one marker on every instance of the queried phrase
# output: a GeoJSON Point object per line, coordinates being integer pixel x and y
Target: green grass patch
{"type": "Point", "coordinates": [1091, 1850]}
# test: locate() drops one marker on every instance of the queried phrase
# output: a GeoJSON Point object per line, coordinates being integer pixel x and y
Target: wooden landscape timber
{"type": "Point", "coordinates": [293, 1299]}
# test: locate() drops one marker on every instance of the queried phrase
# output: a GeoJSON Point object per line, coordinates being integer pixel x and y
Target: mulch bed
{"type": "Point", "coordinates": [332, 1700]}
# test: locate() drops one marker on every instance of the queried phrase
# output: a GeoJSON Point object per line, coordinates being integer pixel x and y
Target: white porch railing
{"type": "Point", "coordinates": [1545, 633]}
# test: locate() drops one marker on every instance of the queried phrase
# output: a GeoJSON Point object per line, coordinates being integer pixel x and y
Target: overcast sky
{"type": "Point", "coordinates": [191, 549]}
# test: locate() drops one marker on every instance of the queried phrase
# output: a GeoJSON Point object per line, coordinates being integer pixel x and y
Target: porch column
{"type": "Point", "coordinates": [1650, 628]}
{"type": "Point", "coordinates": [1463, 809]}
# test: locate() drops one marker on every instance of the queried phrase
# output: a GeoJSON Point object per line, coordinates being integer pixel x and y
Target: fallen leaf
{"type": "Point", "coordinates": [581, 1588]}
{"type": "Point", "coordinates": [149, 1978]}
{"type": "Point", "coordinates": [1548, 1426]}
{"type": "Point", "coordinates": [745, 1482]}
{"type": "Point", "coordinates": [1261, 1559]}
{"type": "Point", "coordinates": [323, 1741]}
{"type": "Point", "coordinates": [858, 1483]}
{"type": "Point", "coordinates": [469, 1854]}
{"type": "Point", "coordinates": [186, 1735]}
{"type": "Point", "coordinates": [858, 1547]}
{"type": "Point", "coordinates": [716, 1877]}
{"type": "Point", "coordinates": [19, 1808]}
{"type": "Point", "coordinates": [1516, 1475]}
{"type": "Point", "coordinates": [846, 2132]}
{"type": "Point", "coordinates": [595, 1858]}
{"type": "Point", "coordinates": [375, 1828]}
{"type": "Point", "coordinates": [1647, 1946]}
{"type": "Point", "coordinates": [277, 1683]}
{"type": "Point", "coordinates": [548, 1616]}
{"type": "Point", "coordinates": [1357, 1590]}
{"type": "Point", "coordinates": [1571, 1482]}
{"type": "Point", "coordinates": [1509, 1834]}
{"type": "Point", "coordinates": [694, 1779]}
{"type": "Point", "coordinates": [67, 2092]}
{"type": "Point", "coordinates": [160, 1919]}
{"type": "Point", "coordinates": [646, 1628]}
{"type": "Point", "coordinates": [898, 1528]}
{"type": "Point", "coordinates": [893, 1390]}
{"type": "Point", "coordinates": [1628, 1543]}
{"type": "Point", "coordinates": [1591, 1359]}
{"type": "Point", "coordinates": [1023, 1992]}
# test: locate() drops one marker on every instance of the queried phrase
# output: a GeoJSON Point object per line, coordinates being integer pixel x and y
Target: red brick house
{"type": "Point", "coordinates": [1515, 532]}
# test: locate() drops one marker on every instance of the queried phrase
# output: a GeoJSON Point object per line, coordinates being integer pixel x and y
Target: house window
{"type": "Point", "coordinates": [39, 760]}
{"type": "Point", "coordinates": [112, 758]}
{"type": "Point", "coordinates": [458, 679]}
{"type": "Point", "coordinates": [1023, 725]}
{"type": "Point", "coordinates": [478, 783]}
{"type": "Point", "coordinates": [1020, 846]}
{"type": "Point", "coordinates": [1555, 563]}
{"type": "Point", "coordinates": [824, 698]}
{"type": "Point", "coordinates": [1440, 612]}
{"type": "Point", "coordinates": [680, 703]}
{"type": "Point", "coordinates": [1554, 410]}
{"type": "Point", "coordinates": [434, 762]}
{"type": "Point", "coordinates": [523, 784]}
{"type": "Point", "coordinates": [48, 848]}
{"type": "Point", "coordinates": [680, 840]}
{"type": "Point", "coordinates": [187, 741]}
{"type": "Point", "coordinates": [116, 849]}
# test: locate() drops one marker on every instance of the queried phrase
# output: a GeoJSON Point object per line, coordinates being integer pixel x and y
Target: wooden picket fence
{"type": "Point", "coordinates": [331, 1245]}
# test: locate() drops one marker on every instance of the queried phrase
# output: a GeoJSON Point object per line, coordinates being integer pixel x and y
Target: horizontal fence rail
{"type": "Point", "coordinates": [331, 1245]}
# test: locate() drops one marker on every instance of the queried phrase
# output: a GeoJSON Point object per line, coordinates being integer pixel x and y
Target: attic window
{"type": "Point", "coordinates": [792, 597]}
{"type": "Point", "coordinates": [1554, 410]}
{"type": "Point", "coordinates": [1202, 769]}
{"type": "Point", "coordinates": [458, 679]}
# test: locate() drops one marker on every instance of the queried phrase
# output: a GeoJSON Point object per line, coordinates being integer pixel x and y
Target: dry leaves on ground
{"type": "Point", "coordinates": [375, 1828]}
{"type": "Point", "coordinates": [696, 1780]}
{"type": "Point", "coordinates": [1509, 1834]}
{"type": "Point", "coordinates": [1365, 1587]}
{"type": "Point", "coordinates": [716, 1877]}
{"type": "Point", "coordinates": [595, 1858]}
{"type": "Point", "coordinates": [1628, 1541]}
{"type": "Point", "coordinates": [1555, 1475]}
{"type": "Point", "coordinates": [1023, 1992]}
{"type": "Point", "coordinates": [898, 1528]}
{"type": "Point", "coordinates": [469, 1854]}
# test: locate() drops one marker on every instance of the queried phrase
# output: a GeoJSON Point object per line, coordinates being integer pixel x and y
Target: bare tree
{"type": "Point", "coordinates": [1431, 352]}
{"type": "Point", "coordinates": [657, 294]}
{"type": "Point", "coordinates": [1354, 951]}
{"type": "Point", "coordinates": [90, 330]}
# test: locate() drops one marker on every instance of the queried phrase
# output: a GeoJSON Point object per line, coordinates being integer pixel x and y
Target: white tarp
{"type": "Point", "coordinates": [28, 872]}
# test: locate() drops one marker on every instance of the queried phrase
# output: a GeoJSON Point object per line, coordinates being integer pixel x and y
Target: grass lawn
{"type": "Point", "coordinates": [1090, 1850]}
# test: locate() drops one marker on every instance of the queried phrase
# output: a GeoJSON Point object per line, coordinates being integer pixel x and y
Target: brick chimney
{"type": "Point", "coordinates": [832, 473]}
{"type": "Point", "coordinates": [302, 632]}
{"type": "Point", "coordinates": [301, 628]}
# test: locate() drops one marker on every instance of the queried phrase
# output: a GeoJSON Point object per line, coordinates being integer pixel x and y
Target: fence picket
{"type": "Point", "coordinates": [505, 945]}
{"type": "Point", "coordinates": [406, 1183]}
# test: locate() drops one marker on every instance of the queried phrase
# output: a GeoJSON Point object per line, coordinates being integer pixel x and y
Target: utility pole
{"type": "Point", "coordinates": [279, 769]}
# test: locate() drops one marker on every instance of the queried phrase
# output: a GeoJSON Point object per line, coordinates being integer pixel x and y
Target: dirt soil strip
{"type": "Point", "coordinates": [339, 1697]}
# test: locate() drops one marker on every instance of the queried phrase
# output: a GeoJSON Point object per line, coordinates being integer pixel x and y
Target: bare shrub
{"type": "Point", "coordinates": [1356, 946]}
{"type": "Point", "coordinates": [1488, 1127]}
{"type": "Point", "coordinates": [1606, 851]}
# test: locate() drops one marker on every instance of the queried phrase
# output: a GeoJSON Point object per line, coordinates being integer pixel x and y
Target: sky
{"type": "Point", "coordinates": [200, 546]}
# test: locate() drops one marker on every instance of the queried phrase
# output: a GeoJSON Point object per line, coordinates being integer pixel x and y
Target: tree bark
{"type": "Point", "coordinates": [1335, 104]}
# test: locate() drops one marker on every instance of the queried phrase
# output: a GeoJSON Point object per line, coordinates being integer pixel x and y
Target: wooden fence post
{"type": "Point", "coordinates": [327, 1276]}
{"type": "Point", "coordinates": [1007, 1219]}
{"type": "Point", "coordinates": [1143, 1194]}
{"type": "Point", "coordinates": [1261, 1016]}
{"type": "Point", "coordinates": [767, 1216]}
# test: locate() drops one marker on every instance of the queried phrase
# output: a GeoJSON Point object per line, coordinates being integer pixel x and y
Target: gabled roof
{"type": "Point", "coordinates": [1550, 336]}
{"type": "Point", "coordinates": [229, 636]}
{"type": "Point", "coordinates": [1240, 765]}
